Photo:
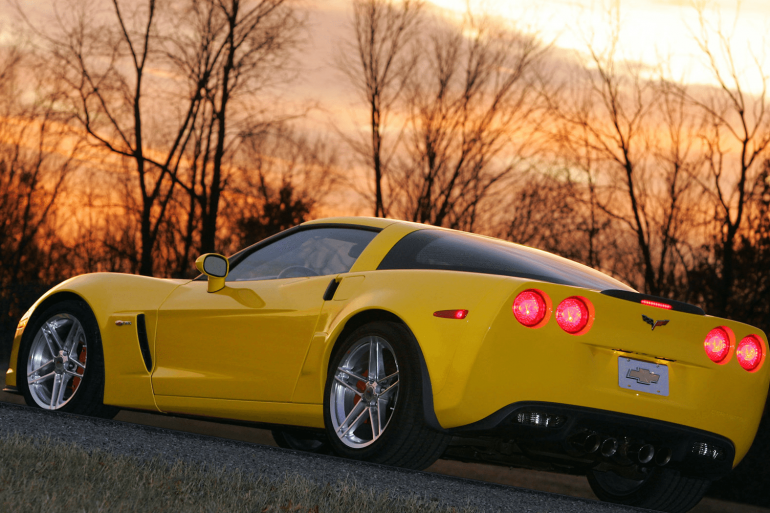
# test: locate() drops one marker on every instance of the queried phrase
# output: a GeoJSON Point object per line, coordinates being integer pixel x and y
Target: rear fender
{"type": "Point", "coordinates": [379, 296]}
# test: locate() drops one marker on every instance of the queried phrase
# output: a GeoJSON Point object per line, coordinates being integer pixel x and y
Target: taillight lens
{"type": "Point", "coordinates": [717, 345]}
{"type": "Point", "coordinates": [572, 315]}
{"type": "Point", "coordinates": [530, 307]}
{"type": "Point", "coordinates": [750, 353]}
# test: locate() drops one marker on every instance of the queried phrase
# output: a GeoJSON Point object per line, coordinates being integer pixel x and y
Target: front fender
{"type": "Point", "coordinates": [110, 296]}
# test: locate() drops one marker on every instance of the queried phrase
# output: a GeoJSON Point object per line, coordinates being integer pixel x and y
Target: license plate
{"type": "Point", "coordinates": [651, 378]}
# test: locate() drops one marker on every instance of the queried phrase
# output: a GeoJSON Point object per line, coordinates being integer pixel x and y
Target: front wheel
{"type": "Point", "coordinates": [373, 405]}
{"type": "Point", "coordinates": [662, 489]}
{"type": "Point", "coordinates": [61, 366]}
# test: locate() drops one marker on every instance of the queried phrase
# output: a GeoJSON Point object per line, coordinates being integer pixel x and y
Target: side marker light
{"type": "Point", "coordinates": [451, 314]}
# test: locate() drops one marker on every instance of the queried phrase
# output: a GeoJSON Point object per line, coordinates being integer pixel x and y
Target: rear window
{"type": "Point", "coordinates": [452, 251]}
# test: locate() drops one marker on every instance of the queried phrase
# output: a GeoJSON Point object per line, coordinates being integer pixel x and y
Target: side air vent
{"type": "Point", "coordinates": [144, 345]}
{"type": "Point", "coordinates": [636, 297]}
{"type": "Point", "coordinates": [331, 289]}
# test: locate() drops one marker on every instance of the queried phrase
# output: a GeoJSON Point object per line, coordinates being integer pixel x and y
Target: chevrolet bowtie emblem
{"type": "Point", "coordinates": [653, 322]}
{"type": "Point", "coordinates": [643, 376]}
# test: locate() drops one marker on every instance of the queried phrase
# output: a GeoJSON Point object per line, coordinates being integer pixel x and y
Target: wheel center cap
{"type": "Point", "coordinates": [59, 362]}
{"type": "Point", "coordinates": [371, 392]}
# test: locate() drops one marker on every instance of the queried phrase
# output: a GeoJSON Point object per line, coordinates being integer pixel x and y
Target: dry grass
{"type": "Point", "coordinates": [43, 475]}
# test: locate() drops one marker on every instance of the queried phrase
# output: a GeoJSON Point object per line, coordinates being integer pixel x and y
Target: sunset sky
{"type": "Point", "coordinates": [650, 28]}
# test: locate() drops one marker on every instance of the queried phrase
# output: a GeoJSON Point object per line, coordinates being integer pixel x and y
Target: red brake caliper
{"type": "Point", "coordinates": [361, 386]}
{"type": "Point", "coordinates": [81, 359]}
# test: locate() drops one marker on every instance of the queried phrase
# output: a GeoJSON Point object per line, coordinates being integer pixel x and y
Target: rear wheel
{"type": "Point", "coordinates": [662, 490]}
{"type": "Point", "coordinates": [61, 366]}
{"type": "Point", "coordinates": [373, 405]}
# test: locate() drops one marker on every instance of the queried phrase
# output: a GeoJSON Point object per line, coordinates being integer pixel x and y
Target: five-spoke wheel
{"type": "Point", "coordinates": [373, 402]}
{"type": "Point", "coordinates": [364, 392]}
{"type": "Point", "coordinates": [61, 366]}
{"type": "Point", "coordinates": [57, 361]}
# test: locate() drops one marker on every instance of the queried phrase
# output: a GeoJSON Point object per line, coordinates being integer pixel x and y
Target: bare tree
{"type": "Point", "coordinates": [38, 153]}
{"type": "Point", "coordinates": [284, 179]}
{"type": "Point", "coordinates": [236, 50]}
{"type": "Point", "coordinates": [377, 62]}
{"type": "Point", "coordinates": [733, 118]}
{"type": "Point", "coordinates": [629, 136]}
{"type": "Point", "coordinates": [470, 120]}
{"type": "Point", "coordinates": [133, 67]}
{"type": "Point", "coordinates": [105, 66]}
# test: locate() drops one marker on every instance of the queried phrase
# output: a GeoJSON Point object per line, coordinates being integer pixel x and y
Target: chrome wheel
{"type": "Point", "coordinates": [364, 392]}
{"type": "Point", "coordinates": [57, 361]}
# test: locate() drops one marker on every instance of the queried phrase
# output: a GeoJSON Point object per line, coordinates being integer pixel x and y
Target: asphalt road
{"type": "Point", "coordinates": [145, 442]}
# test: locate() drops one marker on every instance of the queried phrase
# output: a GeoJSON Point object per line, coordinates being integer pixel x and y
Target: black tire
{"type": "Point", "coordinates": [87, 396]}
{"type": "Point", "coordinates": [306, 442]}
{"type": "Point", "coordinates": [406, 440]}
{"type": "Point", "coordinates": [662, 490]}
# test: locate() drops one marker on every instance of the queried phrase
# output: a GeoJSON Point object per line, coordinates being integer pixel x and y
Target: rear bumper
{"type": "Point", "coordinates": [573, 431]}
{"type": "Point", "coordinates": [513, 363]}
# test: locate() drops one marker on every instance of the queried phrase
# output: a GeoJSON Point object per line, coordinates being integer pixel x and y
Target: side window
{"type": "Point", "coordinates": [312, 252]}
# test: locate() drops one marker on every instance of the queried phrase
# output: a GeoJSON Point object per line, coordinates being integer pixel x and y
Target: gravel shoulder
{"type": "Point", "coordinates": [146, 442]}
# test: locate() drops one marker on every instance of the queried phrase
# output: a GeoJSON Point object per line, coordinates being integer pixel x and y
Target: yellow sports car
{"type": "Point", "coordinates": [398, 343]}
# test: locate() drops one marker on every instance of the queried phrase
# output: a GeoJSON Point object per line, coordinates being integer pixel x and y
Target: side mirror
{"type": "Point", "coordinates": [216, 268]}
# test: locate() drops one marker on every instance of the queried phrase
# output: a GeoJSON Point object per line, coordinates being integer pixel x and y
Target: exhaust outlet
{"type": "Point", "coordinates": [591, 443]}
{"type": "Point", "coordinates": [588, 442]}
{"type": "Point", "coordinates": [646, 453]}
{"type": "Point", "coordinates": [662, 456]}
{"type": "Point", "coordinates": [609, 447]}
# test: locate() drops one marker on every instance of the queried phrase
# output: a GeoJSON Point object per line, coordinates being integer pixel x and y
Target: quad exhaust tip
{"type": "Point", "coordinates": [588, 443]}
{"type": "Point", "coordinates": [663, 456]}
{"type": "Point", "coordinates": [609, 447]}
{"type": "Point", "coordinates": [592, 443]}
{"type": "Point", "coordinates": [646, 453]}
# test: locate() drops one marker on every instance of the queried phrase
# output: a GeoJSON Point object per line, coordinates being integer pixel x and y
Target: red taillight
{"type": "Point", "coordinates": [451, 314]}
{"type": "Point", "coordinates": [750, 353]}
{"type": "Point", "coordinates": [717, 345]}
{"type": "Point", "coordinates": [572, 315]}
{"type": "Point", "coordinates": [656, 304]}
{"type": "Point", "coordinates": [530, 307]}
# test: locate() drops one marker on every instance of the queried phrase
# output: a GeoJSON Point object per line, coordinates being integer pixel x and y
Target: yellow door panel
{"type": "Point", "coordinates": [244, 342]}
